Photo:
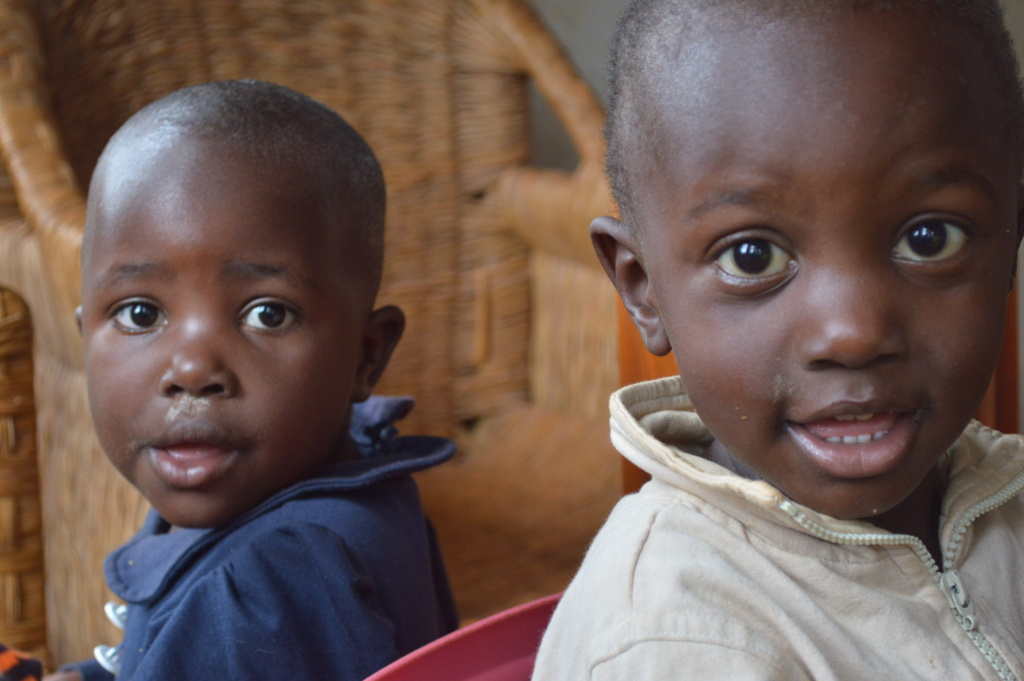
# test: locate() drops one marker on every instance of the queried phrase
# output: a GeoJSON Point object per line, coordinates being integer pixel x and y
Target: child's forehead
{"type": "Point", "coordinates": [150, 154]}
{"type": "Point", "coordinates": [155, 169]}
{"type": "Point", "coordinates": [843, 77]}
{"type": "Point", "coordinates": [146, 193]}
{"type": "Point", "coordinates": [817, 55]}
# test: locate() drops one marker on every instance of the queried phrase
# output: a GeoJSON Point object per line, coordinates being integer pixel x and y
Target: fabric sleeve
{"type": "Point", "coordinates": [89, 670]}
{"type": "Point", "coordinates": [665, 660]}
{"type": "Point", "coordinates": [294, 604]}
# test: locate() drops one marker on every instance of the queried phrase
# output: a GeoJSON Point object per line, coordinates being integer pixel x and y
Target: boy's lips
{"type": "Point", "coordinates": [190, 465]}
{"type": "Point", "coordinates": [862, 446]}
{"type": "Point", "coordinates": [190, 455]}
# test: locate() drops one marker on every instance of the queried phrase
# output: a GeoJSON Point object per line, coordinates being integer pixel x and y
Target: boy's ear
{"type": "Point", "coordinates": [383, 330]}
{"type": "Point", "coordinates": [619, 252]}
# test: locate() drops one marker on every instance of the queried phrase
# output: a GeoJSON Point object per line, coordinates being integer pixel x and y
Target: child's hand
{"type": "Point", "coordinates": [63, 676]}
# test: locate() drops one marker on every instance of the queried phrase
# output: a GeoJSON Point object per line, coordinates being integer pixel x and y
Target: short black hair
{"type": "Point", "coordinates": [651, 34]}
{"type": "Point", "coordinates": [276, 124]}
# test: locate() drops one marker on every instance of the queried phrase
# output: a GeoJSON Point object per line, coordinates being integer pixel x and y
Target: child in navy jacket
{"type": "Point", "coordinates": [230, 262]}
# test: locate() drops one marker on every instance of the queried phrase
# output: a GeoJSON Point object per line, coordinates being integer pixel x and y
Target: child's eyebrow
{"type": "Point", "coordinates": [726, 197]}
{"type": "Point", "coordinates": [118, 274]}
{"type": "Point", "coordinates": [252, 271]}
{"type": "Point", "coordinates": [926, 181]}
{"type": "Point", "coordinates": [934, 180]}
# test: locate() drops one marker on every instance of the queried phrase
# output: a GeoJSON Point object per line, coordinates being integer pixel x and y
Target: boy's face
{"type": "Point", "coordinates": [226, 328]}
{"type": "Point", "coordinates": [826, 230]}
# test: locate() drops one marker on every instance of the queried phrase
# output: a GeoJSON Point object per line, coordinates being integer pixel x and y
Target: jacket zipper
{"type": "Point", "coordinates": [947, 580]}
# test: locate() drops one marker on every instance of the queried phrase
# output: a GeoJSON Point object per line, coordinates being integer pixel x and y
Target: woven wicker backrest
{"type": "Point", "coordinates": [438, 90]}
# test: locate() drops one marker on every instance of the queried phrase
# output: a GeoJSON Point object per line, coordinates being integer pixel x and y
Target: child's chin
{"type": "Point", "coordinates": [192, 513]}
{"type": "Point", "coordinates": [856, 499]}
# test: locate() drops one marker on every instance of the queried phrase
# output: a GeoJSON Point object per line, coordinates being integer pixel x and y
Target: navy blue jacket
{"type": "Point", "coordinates": [333, 577]}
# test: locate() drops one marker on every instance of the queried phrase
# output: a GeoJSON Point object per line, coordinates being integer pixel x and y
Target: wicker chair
{"type": "Point", "coordinates": [510, 346]}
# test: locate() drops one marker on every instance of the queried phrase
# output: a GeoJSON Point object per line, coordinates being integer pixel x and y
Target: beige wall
{"type": "Point", "coordinates": [585, 28]}
{"type": "Point", "coordinates": [1015, 18]}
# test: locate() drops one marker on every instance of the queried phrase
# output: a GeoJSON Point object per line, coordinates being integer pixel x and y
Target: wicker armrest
{"type": "Point", "coordinates": [44, 183]}
{"type": "Point", "coordinates": [551, 209]}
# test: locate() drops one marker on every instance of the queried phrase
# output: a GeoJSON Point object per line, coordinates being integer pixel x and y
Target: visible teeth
{"type": "Point", "coordinates": [856, 439]}
{"type": "Point", "coordinates": [852, 417]}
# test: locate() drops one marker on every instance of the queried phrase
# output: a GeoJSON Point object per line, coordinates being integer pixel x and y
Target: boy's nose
{"type": "Point", "coordinates": [198, 369]}
{"type": "Point", "coordinates": [850, 324]}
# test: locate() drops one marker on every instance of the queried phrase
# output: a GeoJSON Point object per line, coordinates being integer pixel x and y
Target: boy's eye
{"type": "Point", "coordinates": [268, 316]}
{"type": "Point", "coordinates": [931, 240]}
{"type": "Point", "coordinates": [754, 258]}
{"type": "Point", "coordinates": [137, 316]}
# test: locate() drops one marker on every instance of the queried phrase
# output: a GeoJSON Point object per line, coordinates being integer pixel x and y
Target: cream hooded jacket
{"type": "Point", "coordinates": [707, 575]}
